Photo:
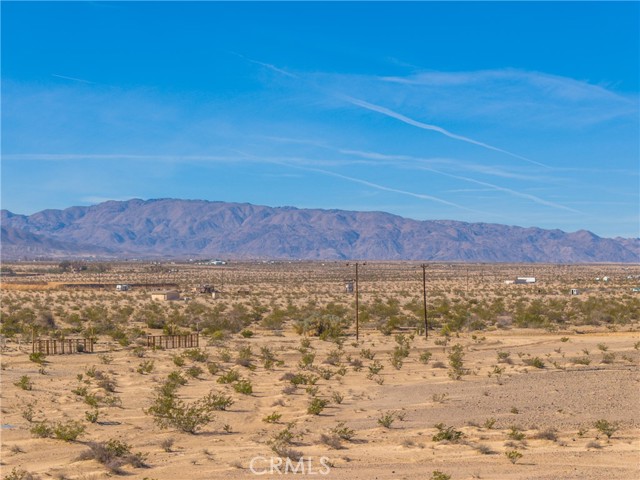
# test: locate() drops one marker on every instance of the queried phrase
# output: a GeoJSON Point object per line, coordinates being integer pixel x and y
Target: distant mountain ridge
{"type": "Point", "coordinates": [170, 228]}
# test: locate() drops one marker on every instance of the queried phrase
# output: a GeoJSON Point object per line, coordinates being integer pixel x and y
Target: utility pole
{"type": "Point", "coordinates": [357, 304]}
{"type": "Point", "coordinates": [424, 300]}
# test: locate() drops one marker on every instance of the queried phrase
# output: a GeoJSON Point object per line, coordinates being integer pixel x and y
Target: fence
{"type": "Point", "coordinates": [61, 347]}
{"type": "Point", "coordinates": [173, 341]}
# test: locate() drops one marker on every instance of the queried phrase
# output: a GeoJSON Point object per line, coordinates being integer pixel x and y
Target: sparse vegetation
{"type": "Point", "coordinates": [446, 433]}
{"type": "Point", "coordinates": [472, 337]}
{"type": "Point", "coordinates": [606, 427]}
{"type": "Point", "coordinates": [513, 455]}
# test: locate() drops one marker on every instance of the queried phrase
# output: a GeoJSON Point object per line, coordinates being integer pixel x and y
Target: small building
{"type": "Point", "coordinates": [523, 280]}
{"type": "Point", "coordinates": [509, 282]}
{"type": "Point", "coordinates": [123, 287]}
{"type": "Point", "coordinates": [575, 291]}
{"type": "Point", "coordinates": [165, 296]}
{"type": "Point", "coordinates": [348, 286]}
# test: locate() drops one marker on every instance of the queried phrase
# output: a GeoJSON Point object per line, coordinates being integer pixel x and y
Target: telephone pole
{"type": "Point", "coordinates": [357, 304]}
{"type": "Point", "coordinates": [424, 299]}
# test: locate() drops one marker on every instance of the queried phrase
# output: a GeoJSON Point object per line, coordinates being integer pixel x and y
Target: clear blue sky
{"type": "Point", "coordinates": [515, 113]}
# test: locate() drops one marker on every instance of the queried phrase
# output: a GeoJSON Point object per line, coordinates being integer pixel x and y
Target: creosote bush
{"type": "Point", "coordinates": [387, 419]}
{"type": "Point", "coordinates": [68, 431]}
{"type": "Point", "coordinates": [456, 362]}
{"type": "Point", "coordinates": [513, 455]}
{"type": "Point", "coordinates": [24, 383]}
{"type": "Point", "coordinates": [606, 428]}
{"type": "Point", "coordinates": [317, 405]}
{"type": "Point", "coordinates": [449, 434]}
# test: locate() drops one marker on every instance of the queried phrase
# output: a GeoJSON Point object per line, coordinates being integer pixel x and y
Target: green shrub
{"type": "Point", "coordinates": [343, 431]}
{"type": "Point", "coordinates": [145, 367]}
{"type": "Point", "coordinates": [584, 360]}
{"type": "Point", "coordinates": [489, 423]}
{"type": "Point", "coordinates": [194, 371]}
{"type": "Point", "coordinates": [513, 456]}
{"type": "Point", "coordinates": [515, 433]}
{"type": "Point", "coordinates": [92, 416]}
{"type": "Point", "coordinates": [438, 475]}
{"type": "Point", "coordinates": [456, 362]}
{"type": "Point", "coordinates": [168, 411]}
{"type": "Point", "coordinates": [375, 367]}
{"type": "Point", "coordinates": [536, 362]}
{"type": "Point", "coordinates": [24, 383]}
{"type": "Point", "coordinates": [605, 427]}
{"type": "Point", "coordinates": [366, 353]}
{"type": "Point", "coordinates": [229, 377]}
{"type": "Point", "coordinates": [307, 360]}
{"type": "Point", "coordinates": [425, 357]}
{"type": "Point", "coordinates": [447, 433]}
{"type": "Point", "coordinates": [37, 357]}
{"type": "Point", "coordinates": [273, 418]}
{"type": "Point", "coordinates": [218, 401]}
{"type": "Point", "coordinates": [317, 405]}
{"type": "Point", "coordinates": [41, 430]}
{"type": "Point", "coordinates": [28, 412]}
{"type": "Point", "coordinates": [243, 386]}
{"type": "Point", "coordinates": [387, 419]}
{"type": "Point", "coordinates": [68, 431]}
{"type": "Point", "coordinates": [178, 360]}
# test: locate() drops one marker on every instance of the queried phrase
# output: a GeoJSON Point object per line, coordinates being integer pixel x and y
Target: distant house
{"type": "Point", "coordinates": [165, 296]}
{"type": "Point", "coordinates": [523, 280]}
{"type": "Point", "coordinates": [123, 287]}
{"type": "Point", "coordinates": [348, 286]}
{"type": "Point", "coordinates": [575, 291]}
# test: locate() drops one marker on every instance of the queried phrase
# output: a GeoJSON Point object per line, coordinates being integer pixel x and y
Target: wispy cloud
{"type": "Point", "coordinates": [80, 80]}
{"type": "Point", "coordinates": [78, 157]}
{"type": "Point", "coordinates": [510, 191]}
{"type": "Point", "coordinates": [265, 65]}
{"type": "Point", "coordinates": [425, 126]}
{"type": "Point", "coordinates": [384, 188]}
{"type": "Point", "coordinates": [518, 94]}
{"type": "Point", "coordinates": [449, 162]}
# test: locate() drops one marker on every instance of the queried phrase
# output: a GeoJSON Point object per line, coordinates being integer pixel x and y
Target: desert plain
{"type": "Point", "coordinates": [511, 381]}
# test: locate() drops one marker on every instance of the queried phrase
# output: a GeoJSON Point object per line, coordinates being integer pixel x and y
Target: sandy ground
{"type": "Point", "coordinates": [563, 395]}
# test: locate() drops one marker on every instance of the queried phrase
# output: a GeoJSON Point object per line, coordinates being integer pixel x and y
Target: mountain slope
{"type": "Point", "coordinates": [196, 228]}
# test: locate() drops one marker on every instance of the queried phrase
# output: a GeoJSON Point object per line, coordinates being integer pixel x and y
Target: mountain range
{"type": "Point", "coordinates": [180, 229]}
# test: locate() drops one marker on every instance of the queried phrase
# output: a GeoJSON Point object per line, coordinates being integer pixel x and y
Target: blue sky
{"type": "Point", "coordinates": [515, 113]}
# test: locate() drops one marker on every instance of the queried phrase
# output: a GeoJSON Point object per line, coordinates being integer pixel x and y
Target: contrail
{"type": "Point", "coordinates": [73, 78]}
{"type": "Point", "coordinates": [389, 189]}
{"type": "Point", "coordinates": [266, 65]}
{"type": "Point", "coordinates": [435, 128]}
{"type": "Point", "coordinates": [528, 196]}
{"type": "Point", "coordinates": [398, 116]}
